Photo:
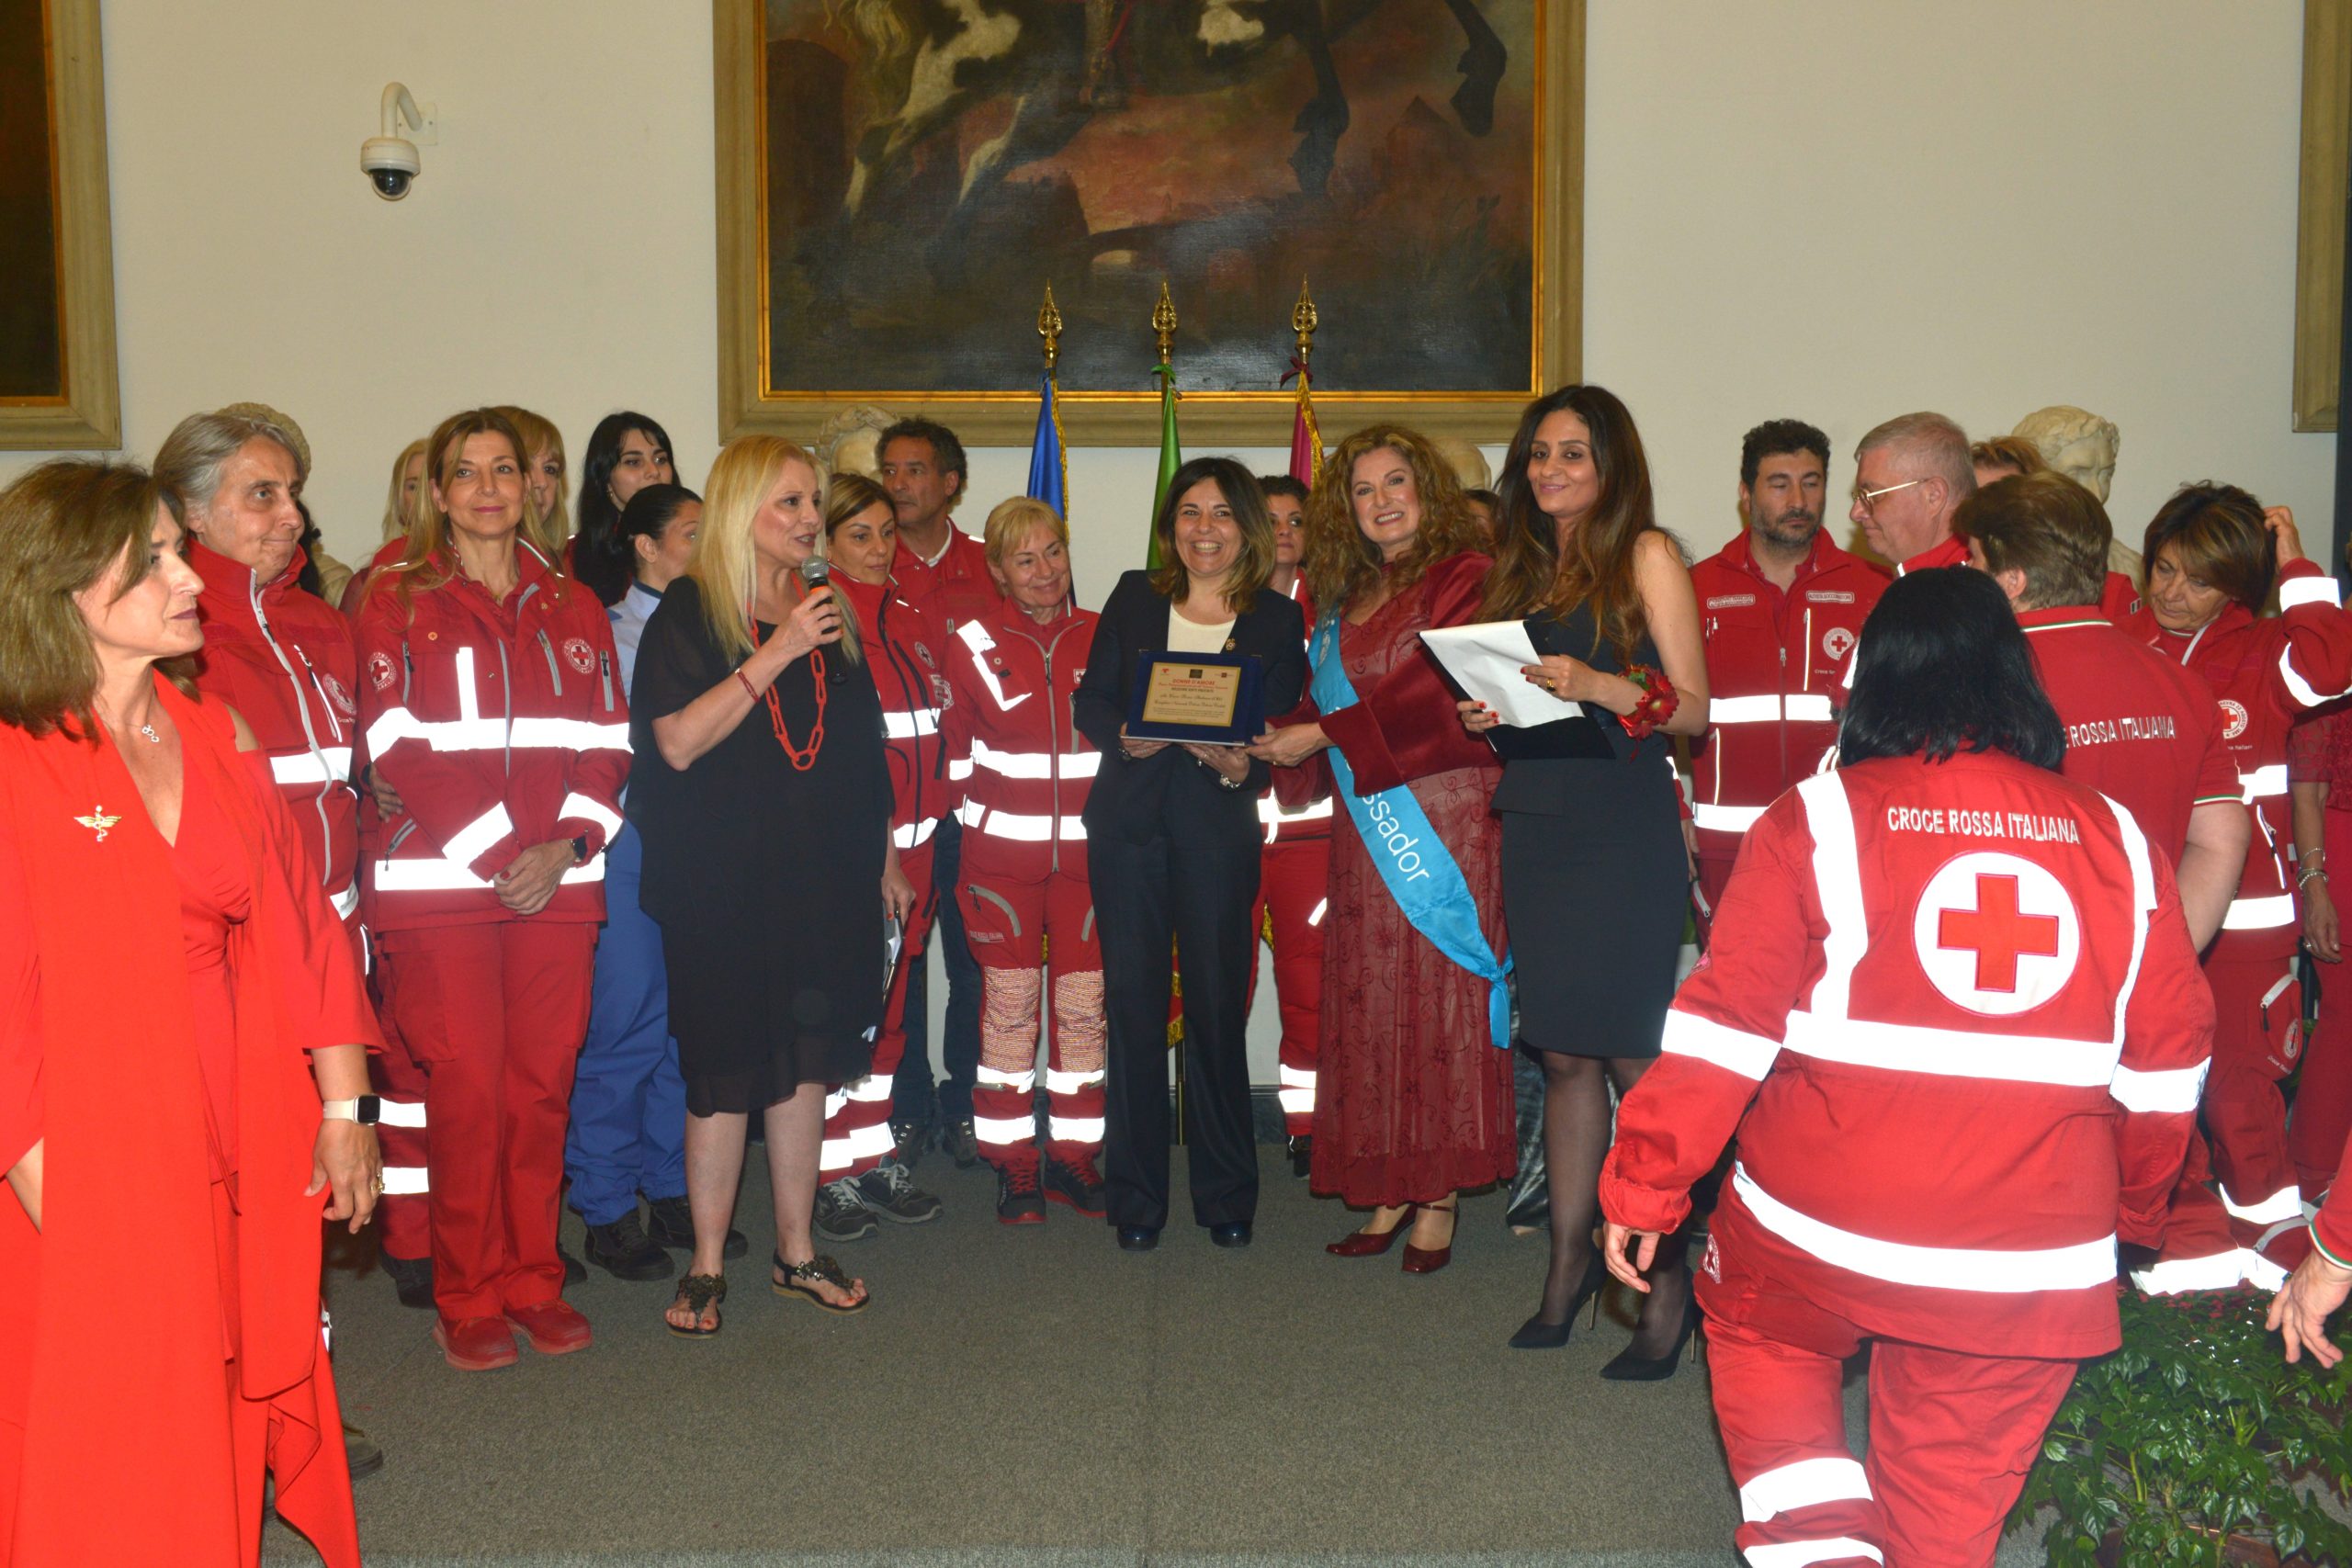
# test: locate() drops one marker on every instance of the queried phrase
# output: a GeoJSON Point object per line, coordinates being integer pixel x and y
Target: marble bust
{"type": "Point", "coordinates": [2082, 446]}
{"type": "Point", "coordinates": [850, 441]}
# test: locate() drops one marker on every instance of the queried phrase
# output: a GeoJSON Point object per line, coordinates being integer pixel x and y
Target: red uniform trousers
{"type": "Point", "coordinates": [858, 1114]}
{"type": "Point", "coordinates": [493, 1014]}
{"type": "Point", "coordinates": [1013, 927]}
{"type": "Point", "coordinates": [2215, 1241]}
{"type": "Point", "coordinates": [403, 1219]}
{"type": "Point", "coordinates": [1951, 1438]}
{"type": "Point", "coordinates": [1293, 885]}
{"type": "Point", "coordinates": [2316, 1138]}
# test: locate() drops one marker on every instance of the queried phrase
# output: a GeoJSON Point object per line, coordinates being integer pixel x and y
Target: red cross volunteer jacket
{"type": "Point", "coordinates": [909, 659]}
{"type": "Point", "coordinates": [2266, 672]}
{"type": "Point", "coordinates": [1774, 659]}
{"type": "Point", "coordinates": [1012, 745]}
{"type": "Point", "coordinates": [283, 658]}
{"type": "Point", "coordinates": [957, 588]}
{"type": "Point", "coordinates": [1952, 1014]}
{"type": "Point", "coordinates": [502, 726]}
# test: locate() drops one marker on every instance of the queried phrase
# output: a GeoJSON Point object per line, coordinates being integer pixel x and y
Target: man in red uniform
{"type": "Point", "coordinates": [2138, 727]}
{"type": "Point", "coordinates": [942, 571]}
{"type": "Point", "coordinates": [283, 658]}
{"type": "Point", "coordinates": [1910, 476]}
{"type": "Point", "coordinates": [1954, 1017]}
{"type": "Point", "coordinates": [1294, 871]}
{"type": "Point", "coordinates": [1781, 606]}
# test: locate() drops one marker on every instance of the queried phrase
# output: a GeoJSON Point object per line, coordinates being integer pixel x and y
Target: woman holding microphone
{"type": "Point", "coordinates": [764, 801]}
{"type": "Point", "coordinates": [1172, 833]}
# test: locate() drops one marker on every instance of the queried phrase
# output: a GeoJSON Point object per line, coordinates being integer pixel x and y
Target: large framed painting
{"type": "Point", "coordinates": [2320, 210]}
{"type": "Point", "coordinates": [901, 180]}
{"type": "Point", "coordinates": [57, 363]}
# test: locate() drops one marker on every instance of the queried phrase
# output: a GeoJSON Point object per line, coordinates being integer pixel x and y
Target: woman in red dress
{"type": "Point", "coordinates": [178, 1124]}
{"type": "Point", "coordinates": [1413, 1101]}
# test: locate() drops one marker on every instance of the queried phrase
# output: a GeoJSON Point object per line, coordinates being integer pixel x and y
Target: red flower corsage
{"type": "Point", "coordinates": [1658, 702]}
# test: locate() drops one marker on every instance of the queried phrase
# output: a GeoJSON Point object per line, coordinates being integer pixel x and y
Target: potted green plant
{"type": "Point", "coordinates": [2196, 1443]}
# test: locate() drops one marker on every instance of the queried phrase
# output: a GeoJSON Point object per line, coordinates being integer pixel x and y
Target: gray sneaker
{"type": "Point", "coordinates": [890, 1193]}
{"type": "Point", "coordinates": [841, 1215]}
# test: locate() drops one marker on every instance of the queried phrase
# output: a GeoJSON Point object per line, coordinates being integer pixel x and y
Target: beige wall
{"type": "Point", "coordinates": [1835, 210]}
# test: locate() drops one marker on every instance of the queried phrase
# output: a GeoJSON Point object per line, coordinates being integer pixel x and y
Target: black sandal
{"type": "Point", "coordinates": [699, 1293]}
{"type": "Point", "coordinates": [817, 1268]}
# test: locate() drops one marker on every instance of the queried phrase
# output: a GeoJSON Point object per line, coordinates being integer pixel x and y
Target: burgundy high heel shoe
{"type": "Point", "coordinates": [1428, 1260]}
{"type": "Point", "coordinates": [1371, 1244]}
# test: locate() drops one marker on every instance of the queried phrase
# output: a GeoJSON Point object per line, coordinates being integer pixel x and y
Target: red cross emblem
{"type": "Point", "coordinates": [1998, 932]}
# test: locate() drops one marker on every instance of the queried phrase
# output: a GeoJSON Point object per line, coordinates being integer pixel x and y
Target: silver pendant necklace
{"type": "Point", "coordinates": [149, 731]}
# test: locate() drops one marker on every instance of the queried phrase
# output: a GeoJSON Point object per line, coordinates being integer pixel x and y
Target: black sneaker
{"type": "Point", "coordinates": [963, 1145]}
{"type": "Point", "coordinates": [841, 1215]}
{"type": "Point", "coordinates": [1302, 1153]}
{"type": "Point", "coordinates": [574, 1271]}
{"type": "Point", "coordinates": [908, 1140]}
{"type": "Point", "coordinates": [1018, 1201]}
{"type": "Point", "coordinates": [1075, 1184]}
{"type": "Point", "coordinates": [411, 1279]}
{"type": "Point", "coordinates": [622, 1250]}
{"type": "Point", "coordinates": [672, 1224]}
{"type": "Point", "coordinates": [891, 1193]}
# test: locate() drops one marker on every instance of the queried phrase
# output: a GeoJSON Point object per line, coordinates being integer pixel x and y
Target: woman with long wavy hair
{"type": "Point", "coordinates": [1413, 1100]}
{"type": "Point", "coordinates": [1592, 842]}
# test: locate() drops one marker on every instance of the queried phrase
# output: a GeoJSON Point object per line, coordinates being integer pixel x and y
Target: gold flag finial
{"type": "Point", "coordinates": [1163, 321]}
{"type": "Point", "coordinates": [1049, 327]}
{"type": "Point", "coordinates": [1303, 321]}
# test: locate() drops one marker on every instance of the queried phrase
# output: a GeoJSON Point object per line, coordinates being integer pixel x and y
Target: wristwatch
{"type": "Point", "coordinates": [364, 1110]}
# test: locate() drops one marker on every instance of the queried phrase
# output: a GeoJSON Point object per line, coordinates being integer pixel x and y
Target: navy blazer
{"type": "Point", "coordinates": [1169, 793]}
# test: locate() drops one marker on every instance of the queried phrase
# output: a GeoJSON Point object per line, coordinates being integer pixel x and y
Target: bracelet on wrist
{"type": "Point", "coordinates": [748, 690]}
{"type": "Point", "coordinates": [2308, 877]}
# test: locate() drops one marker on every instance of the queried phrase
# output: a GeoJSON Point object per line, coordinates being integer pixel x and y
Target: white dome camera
{"type": "Point", "coordinates": [389, 161]}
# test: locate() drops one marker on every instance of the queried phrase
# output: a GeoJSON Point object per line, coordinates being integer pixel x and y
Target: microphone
{"type": "Point", "coordinates": [814, 571]}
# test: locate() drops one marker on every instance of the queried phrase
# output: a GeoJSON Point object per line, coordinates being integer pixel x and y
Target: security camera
{"type": "Point", "coordinates": [389, 161]}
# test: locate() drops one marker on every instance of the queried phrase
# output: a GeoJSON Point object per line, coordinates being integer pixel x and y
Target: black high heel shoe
{"type": "Point", "coordinates": [1537, 1334]}
{"type": "Point", "coordinates": [1629, 1368]}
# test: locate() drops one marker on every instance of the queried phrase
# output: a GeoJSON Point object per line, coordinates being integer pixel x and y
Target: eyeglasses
{"type": "Point", "coordinates": [1867, 499]}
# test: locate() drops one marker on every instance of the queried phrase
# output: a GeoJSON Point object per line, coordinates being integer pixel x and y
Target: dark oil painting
{"type": "Point", "coordinates": [932, 164]}
{"type": "Point", "coordinates": [32, 358]}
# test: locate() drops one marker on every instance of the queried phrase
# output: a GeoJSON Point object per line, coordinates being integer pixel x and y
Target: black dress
{"type": "Point", "coordinates": [767, 880]}
{"type": "Point", "coordinates": [1595, 887]}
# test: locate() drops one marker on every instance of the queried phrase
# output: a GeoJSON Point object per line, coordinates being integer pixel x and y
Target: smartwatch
{"type": "Point", "coordinates": [365, 1110]}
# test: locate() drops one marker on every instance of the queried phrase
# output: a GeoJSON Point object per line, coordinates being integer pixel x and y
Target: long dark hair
{"type": "Point", "coordinates": [1531, 572]}
{"type": "Point", "coordinates": [1943, 668]}
{"type": "Point", "coordinates": [599, 518]}
{"type": "Point", "coordinates": [1240, 489]}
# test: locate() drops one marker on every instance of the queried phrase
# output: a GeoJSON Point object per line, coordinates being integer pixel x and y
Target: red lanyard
{"type": "Point", "coordinates": [803, 758]}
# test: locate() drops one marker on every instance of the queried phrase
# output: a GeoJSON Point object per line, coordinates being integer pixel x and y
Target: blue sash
{"type": "Point", "coordinates": [1415, 865]}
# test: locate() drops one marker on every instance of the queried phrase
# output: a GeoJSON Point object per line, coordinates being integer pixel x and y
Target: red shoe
{"type": "Point", "coordinates": [1429, 1260]}
{"type": "Point", "coordinates": [553, 1328]}
{"type": "Point", "coordinates": [1371, 1243]}
{"type": "Point", "coordinates": [1019, 1198]}
{"type": "Point", "coordinates": [476, 1344]}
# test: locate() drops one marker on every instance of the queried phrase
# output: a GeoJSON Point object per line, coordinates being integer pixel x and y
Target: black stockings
{"type": "Point", "coordinates": [1575, 1139]}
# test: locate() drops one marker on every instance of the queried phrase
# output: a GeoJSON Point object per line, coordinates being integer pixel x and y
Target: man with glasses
{"type": "Point", "coordinates": [1780, 608]}
{"type": "Point", "coordinates": [1910, 476]}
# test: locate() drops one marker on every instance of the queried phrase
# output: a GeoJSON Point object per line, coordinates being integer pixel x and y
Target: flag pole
{"type": "Point", "coordinates": [1050, 330]}
{"type": "Point", "coordinates": [1171, 455]}
{"type": "Point", "coordinates": [1306, 439]}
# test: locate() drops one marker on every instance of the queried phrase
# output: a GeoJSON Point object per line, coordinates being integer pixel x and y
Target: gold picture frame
{"type": "Point", "coordinates": [77, 402]}
{"type": "Point", "coordinates": [2319, 211]}
{"type": "Point", "coordinates": [1007, 417]}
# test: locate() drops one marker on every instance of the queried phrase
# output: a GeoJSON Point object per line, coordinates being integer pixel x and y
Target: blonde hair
{"type": "Point", "coordinates": [1010, 524]}
{"type": "Point", "coordinates": [726, 561]}
{"type": "Point", "coordinates": [541, 438]}
{"type": "Point", "coordinates": [421, 568]}
{"type": "Point", "coordinates": [398, 521]}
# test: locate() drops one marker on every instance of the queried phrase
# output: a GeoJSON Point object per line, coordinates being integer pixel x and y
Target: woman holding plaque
{"type": "Point", "coordinates": [1173, 829]}
{"type": "Point", "coordinates": [1591, 834]}
{"type": "Point", "coordinates": [1413, 1098]}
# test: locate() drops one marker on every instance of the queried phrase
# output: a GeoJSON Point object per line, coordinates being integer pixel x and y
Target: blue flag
{"type": "Point", "coordinates": [1048, 467]}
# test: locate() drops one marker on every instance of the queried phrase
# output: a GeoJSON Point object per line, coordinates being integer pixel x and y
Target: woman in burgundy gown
{"type": "Point", "coordinates": [1413, 1100]}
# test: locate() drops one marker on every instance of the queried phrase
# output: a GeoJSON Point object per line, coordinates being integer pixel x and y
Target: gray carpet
{"type": "Point", "coordinates": [1037, 1396]}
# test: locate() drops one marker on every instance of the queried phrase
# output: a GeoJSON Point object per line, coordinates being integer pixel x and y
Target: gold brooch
{"type": "Point", "coordinates": [98, 819]}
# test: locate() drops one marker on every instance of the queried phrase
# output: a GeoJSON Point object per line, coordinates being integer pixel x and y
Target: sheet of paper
{"type": "Point", "coordinates": [1486, 660]}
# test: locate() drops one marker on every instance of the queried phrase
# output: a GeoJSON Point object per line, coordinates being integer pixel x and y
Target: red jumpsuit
{"type": "Point", "coordinates": [2319, 751]}
{"type": "Point", "coordinates": [2263, 673]}
{"type": "Point", "coordinates": [906, 654]}
{"type": "Point", "coordinates": [1772, 660]}
{"type": "Point", "coordinates": [1293, 895]}
{"type": "Point", "coordinates": [1952, 1015]}
{"type": "Point", "coordinates": [1025, 771]}
{"type": "Point", "coordinates": [503, 726]}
